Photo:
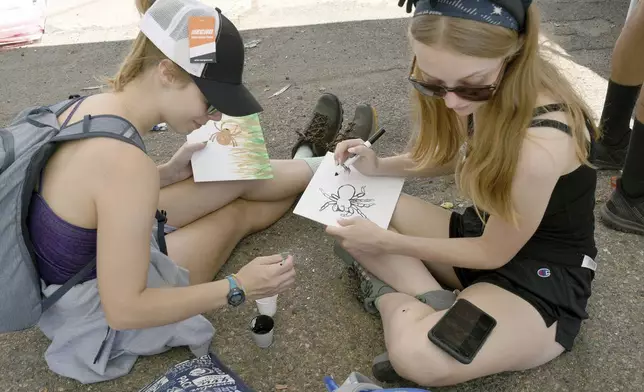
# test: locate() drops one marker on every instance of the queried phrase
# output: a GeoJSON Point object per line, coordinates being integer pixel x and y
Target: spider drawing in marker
{"type": "Point", "coordinates": [226, 135]}
{"type": "Point", "coordinates": [347, 201]}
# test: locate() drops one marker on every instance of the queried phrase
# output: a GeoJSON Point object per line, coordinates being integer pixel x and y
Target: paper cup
{"type": "Point", "coordinates": [267, 306]}
{"type": "Point", "coordinates": [261, 327]}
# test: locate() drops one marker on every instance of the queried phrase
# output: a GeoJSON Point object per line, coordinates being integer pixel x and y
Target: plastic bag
{"type": "Point", "coordinates": [203, 374]}
{"type": "Point", "coordinates": [22, 21]}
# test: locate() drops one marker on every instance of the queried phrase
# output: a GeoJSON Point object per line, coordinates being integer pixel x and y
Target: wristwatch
{"type": "Point", "coordinates": [236, 295]}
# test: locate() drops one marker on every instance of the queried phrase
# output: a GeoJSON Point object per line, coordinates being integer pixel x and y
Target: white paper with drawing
{"type": "Point", "coordinates": [235, 151]}
{"type": "Point", "coordinates": [329, 197]}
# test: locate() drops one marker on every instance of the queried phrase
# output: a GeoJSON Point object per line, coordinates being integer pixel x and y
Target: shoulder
{"type": "Point", "coordinates": [112, 163]}
{"type": "Point", "coordinates": [546, 151]}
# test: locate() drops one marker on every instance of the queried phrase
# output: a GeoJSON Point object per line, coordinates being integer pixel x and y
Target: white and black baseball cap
{"type": "Point", "coordinates": [166, 22]}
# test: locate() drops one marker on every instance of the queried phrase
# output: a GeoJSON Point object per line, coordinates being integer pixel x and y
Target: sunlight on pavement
{"type": "Point", "coordinates": [590, 85]}
{"type": "Point", "coordinates": [85, 21]}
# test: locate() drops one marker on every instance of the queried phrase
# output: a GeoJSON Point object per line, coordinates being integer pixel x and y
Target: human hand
{"type": "Point", "coordinates": [359, 235]}
{"type": "Point", "coordinates": [368, 162]}
{"type": "Point", "coordinates": [266, 276]}
{"type": "Point", "coordinates": [401, 3]}
{"type": "Point", "coordinates": [178, 168]}
{"type": "Point", "coordinates": [215, 115]}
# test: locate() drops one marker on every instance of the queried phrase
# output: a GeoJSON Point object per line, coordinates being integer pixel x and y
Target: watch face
{"type": "Point", "coordinates": [236, 298]}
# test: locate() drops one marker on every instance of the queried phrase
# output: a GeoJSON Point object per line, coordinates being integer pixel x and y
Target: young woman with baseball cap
{"type": "Point", "coordinates": [97, 199]}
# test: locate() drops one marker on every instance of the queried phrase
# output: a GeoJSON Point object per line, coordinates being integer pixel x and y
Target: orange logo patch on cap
{"type": "Point", "coordinates": [202, 40]}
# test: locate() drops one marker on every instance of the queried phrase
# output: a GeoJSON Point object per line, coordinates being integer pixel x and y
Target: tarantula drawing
{"type": "Point", "coordinates": [347, 201]}
{"type": "Point", "coordinates": [226, 135]}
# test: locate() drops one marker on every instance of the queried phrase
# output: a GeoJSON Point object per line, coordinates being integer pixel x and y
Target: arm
{"type": "Point", "coordinates": [401, 165]}
{"type": "Point", "coordinates": [166, 175]}
{"type": "Point", "coordinates": [537, 174]}
{"type": "Point", "coordinates": [179, 167]}
{"type": "Point", "coordinates": [126, 193]}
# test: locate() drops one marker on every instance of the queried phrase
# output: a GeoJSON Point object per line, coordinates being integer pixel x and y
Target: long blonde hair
{"type": "Point", "coordinates": [501, 123]}
{"type": "Point", "coordinates": [143, 55]}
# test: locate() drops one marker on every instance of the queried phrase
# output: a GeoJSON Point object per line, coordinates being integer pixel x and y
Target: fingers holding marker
{"type": "Point", "coordinates": [342, 149]}
{"type": "Point", "coordinates": [362, 151]}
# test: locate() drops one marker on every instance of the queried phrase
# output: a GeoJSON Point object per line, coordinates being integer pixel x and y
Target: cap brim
{"type": "Point", "coordinates": [231, 99]}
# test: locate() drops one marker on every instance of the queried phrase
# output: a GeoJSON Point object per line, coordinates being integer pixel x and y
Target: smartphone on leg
{"type": "Point", "coordinates": [462, 331]}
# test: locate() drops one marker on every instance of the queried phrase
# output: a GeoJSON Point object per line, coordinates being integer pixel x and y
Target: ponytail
{"type": "Point", "coordinates": [143, 5]}
{"type": "Point", "coordinates": [143, 54]}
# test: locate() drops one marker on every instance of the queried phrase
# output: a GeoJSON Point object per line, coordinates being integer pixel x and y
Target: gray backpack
{"type": "Point", "coordinates": [25, 146]}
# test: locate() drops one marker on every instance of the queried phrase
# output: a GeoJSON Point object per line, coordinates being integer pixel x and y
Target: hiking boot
{"type": "Point", "coordinates": [623, 213]}
{"type": "Point", "coordinates": [323, 126]}
{"type": "Point", "coordinates": [609, 157]}
{"type": "Point", "coordinates": [370, 287]}
{"type": "Point", "coordinates": [383, 371]}
{"type": "Point", "coordinates": [363, 125]}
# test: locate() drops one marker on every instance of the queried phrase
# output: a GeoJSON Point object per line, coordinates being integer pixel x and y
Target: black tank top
{"type": "Point", "coordinates": [567, 231]}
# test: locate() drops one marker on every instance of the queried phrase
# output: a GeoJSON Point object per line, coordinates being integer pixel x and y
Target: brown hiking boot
{"type": "Point", "coordinates": [323, 127]}
{"type": "Point", "coordinates": [363, 125]}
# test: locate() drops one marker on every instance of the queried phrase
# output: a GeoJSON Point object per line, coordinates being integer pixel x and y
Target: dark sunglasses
{"type": "Point", "coordinates": [470, 93]}
{"type": "Point", "coordinates": [211, 110]}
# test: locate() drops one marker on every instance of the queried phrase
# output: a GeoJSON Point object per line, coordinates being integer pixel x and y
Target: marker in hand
{"type": "Point", "coordinates": [354, 157]}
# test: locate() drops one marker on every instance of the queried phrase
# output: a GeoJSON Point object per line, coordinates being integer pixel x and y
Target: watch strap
{"type": "Point", "coordinates": [239, 283]}
{"type": "Point", "coordinates": [232, 281]}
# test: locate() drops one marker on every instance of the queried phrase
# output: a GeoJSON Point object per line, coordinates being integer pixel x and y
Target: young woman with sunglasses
{"type": "Point", "coordinates": [491, 109]}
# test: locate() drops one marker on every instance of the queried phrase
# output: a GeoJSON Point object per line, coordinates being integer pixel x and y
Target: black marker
{"type": "Point", "coordinates": [354, 157]}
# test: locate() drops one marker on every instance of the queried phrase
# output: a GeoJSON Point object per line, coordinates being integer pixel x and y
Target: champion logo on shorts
{"type": "Point", "coordinates": [543, 272]}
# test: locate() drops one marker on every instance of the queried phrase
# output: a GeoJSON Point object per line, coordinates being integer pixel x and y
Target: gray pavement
{"type": "Point", "coordinates": [321, 328]}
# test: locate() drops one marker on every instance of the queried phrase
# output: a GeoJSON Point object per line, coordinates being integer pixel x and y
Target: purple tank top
{"type": "Point", "coordinates": [61, 249]}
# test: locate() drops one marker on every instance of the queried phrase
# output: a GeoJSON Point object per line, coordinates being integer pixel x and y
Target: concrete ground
{"type": "Point", "coordinates": [358, 51]}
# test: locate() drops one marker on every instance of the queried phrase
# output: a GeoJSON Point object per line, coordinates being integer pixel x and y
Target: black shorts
{"type": "Point", "coordinates": [558, 292]}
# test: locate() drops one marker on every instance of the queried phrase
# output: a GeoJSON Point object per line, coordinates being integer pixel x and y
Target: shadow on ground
{"type": "Point", "coordinates": [321, 328]}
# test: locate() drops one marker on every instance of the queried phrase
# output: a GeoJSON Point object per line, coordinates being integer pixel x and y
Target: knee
{"type": "Point", "coordinates": [419, 361]}
{"type": "Point", "coordinates": [237, 215]}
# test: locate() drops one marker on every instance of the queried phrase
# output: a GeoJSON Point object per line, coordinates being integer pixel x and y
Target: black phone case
{"type": "Point", "coordinates": [446, 347]}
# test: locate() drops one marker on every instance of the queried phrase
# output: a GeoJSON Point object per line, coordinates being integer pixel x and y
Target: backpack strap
{"type": "Point", "coordinates": [73, 281]}
{"type": "Point", "coordinates": [47, 116]}
{"type": "Point", "coordinates": [104, 125]}
{"type": "Point", "coordinates": [29, 116]}
{"type": "Point", "coordinates": [161, 217]}
{"type": "Point", "coordinates": [60, 107]}
{"type": "Point", "coordinates": [69, 116]}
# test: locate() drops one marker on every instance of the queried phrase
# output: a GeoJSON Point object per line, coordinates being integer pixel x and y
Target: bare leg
{"type": "Point", "coordinates": [520, 340]}
{"type": "Point", "coordinates": [213, 217]}
{"type": "Point", "coordinates": [202, 247]}
{"type": "Point", "coordinates": [188, 201]}
{"type": "Point", "coordinates": [408, 275]}
{"type": "Point", "coordinates": [627, 66]}
{"type": "Point", "coordinates": [418, 218]}
{"type": "Point", "coordinates": [414, 217]}
{"type": "Point", "coordinates": [627, 76]}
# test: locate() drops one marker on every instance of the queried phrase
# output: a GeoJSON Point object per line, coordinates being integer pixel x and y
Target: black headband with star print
{"type": "Point", "coordinates": [505, 13]}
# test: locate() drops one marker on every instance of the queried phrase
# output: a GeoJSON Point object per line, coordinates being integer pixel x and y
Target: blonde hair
{"type": "Point", "coordinates": [501, 123]}
{"type": "Point", "coordinates": [143, 55]}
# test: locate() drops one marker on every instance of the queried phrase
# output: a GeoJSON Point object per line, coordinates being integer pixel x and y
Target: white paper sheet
{"type": "Point", "coordinates": [235, 151]}
{"type": "Point", "coordinates": [329, 197]}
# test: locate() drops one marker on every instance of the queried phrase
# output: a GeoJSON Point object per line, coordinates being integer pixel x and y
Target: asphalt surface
{"type": "Point", "coordinates": [321, 329]}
